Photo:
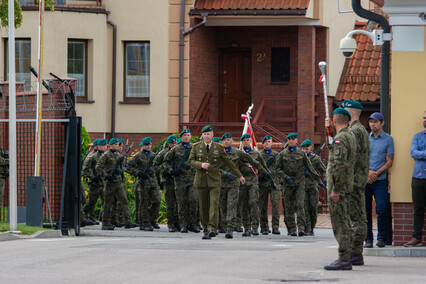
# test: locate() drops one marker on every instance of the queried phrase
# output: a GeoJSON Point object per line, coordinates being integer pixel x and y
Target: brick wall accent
{"type": "Point", "coordinates": [403, 223]}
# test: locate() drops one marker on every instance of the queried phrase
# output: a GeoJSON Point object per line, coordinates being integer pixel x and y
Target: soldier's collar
{"type": "Point", "coordinates": [268, 151]}
{"type": "Point", "coordinates": [228, 149]}
{"type": "Point", "coordinates": [186, 144]}
{"type": "Point", "coordinates": [308, 154]}
{"type": "Point", "coordinates": [292, 149]}
{"type": "Point", "coordinates": [146, 152]}
{"type": "Point", "coordinates": [247, 149]}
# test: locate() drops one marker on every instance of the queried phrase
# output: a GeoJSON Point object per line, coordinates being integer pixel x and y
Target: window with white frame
{"type": "Point", "coordinates": [137, 71]}
{"type": "Point", "coordinates": [77, 65]}
{"type": "Point", "coordinates": [22, 61]}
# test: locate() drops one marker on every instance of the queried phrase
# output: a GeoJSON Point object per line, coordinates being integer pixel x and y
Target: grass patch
{"type": "Point", "coordinates": [26, 230]}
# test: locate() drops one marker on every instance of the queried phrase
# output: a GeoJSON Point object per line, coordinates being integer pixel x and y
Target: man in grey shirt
{"type": "Point", "coordinates": [381, 158]}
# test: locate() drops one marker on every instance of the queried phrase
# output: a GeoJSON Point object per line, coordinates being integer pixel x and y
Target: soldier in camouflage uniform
{"type": "Point", "coordinates": [168, 185]}
{"type": "Point", "coordinates": [117, 214]}
{"type": "Point", "coordinates": [4, 172]}
{"type": "Point", "coordinates": [146, 187]}
{"type": "Point", "coordinates": [269, 187]}
{"type": "Point", "coordinates": [357, 196]}
{"type": "Point", "coordinates": [96, 183]}
{"type": "Point", "coordinates": [229, 192]}
{"type": "Point", "coordinates": [292, 162]}
{"type": "Point", "coordinates": [249, 192]}
{"type": "Point", "coordinates": [176, 164]}
{"type": "Point", "coordinates": [340, 180]}
{"type": "Point", "coordinates": [311, 191]}
{"type": "Point", "coordinates": [114, 186]}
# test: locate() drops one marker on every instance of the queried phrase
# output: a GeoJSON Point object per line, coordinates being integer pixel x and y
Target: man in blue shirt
{"type": "Point", "coordinates": [418, 184]}
{"type": "Point", "coordinates": [381, 158]}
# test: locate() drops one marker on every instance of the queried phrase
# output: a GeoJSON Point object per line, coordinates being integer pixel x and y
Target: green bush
{"type": "Point", "coordinates": [86, 141]}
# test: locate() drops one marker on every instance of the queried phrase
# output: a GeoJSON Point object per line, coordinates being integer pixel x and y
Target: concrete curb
{"type": "Point", "coordinates": [7, 236]}
{"type": "Point", "coordinates": [396, 252]}
{"type": "Point", "coordinates": [47, 234]}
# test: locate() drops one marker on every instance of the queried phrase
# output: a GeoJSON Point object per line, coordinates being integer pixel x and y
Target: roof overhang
{"type": "Point", "coordinates": [405, 12]}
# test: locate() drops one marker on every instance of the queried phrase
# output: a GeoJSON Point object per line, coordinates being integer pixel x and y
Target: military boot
{"type": "Point", "coordinates": [247, 233]}
{"type": "Point", "coordinates": [357, 259]}
{"type": "Point", "coordinates": [239, 229]}
{"type": "Point", "coordinates": [130, 225]}
{"type": "Point", "coordinates": [155, 225]}
{"type": "Point", "coordinates": [255, 232]}
{"type": "Point", "coordinates": [265, 232]}
{"type": "Point", "coordinates": [108, 227]}
{"type": "Point", "coordinates": [229, 234]}
{"type": "Point", "coordinates": [276, 232]}
{"type": "Point", "coordinates": [184, 229]}
{"type": "Point", "coordinates": [339, 265]}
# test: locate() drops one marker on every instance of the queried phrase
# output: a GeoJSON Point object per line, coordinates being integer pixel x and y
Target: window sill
{"type": "Point", "coordinates": [85, 101]}
{"type": "Point", "coordinates": [280, 83]}
{"type": "Point", "coordinates": [135, 102]}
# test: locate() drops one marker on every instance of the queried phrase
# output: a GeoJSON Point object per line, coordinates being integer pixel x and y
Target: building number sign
{"type": "Point", "coordinates": [260, 56]}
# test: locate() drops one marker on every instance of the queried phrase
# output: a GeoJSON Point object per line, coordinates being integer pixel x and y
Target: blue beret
{"type": "Point", "coordinates": [267, 137]}
{"type": "Point", "coordinates": [351, 104]}
{"type": "Point", "coordinates": [102, 142]}
{"type": "Point", "coordinates": [341, 110]}
{"type": "Point", "coordinates": [95, 142]}
{"type": "Point", "coordinates": [171, 139]}
{"type": "Point", "coordinates": [207, 128]}
{"type": "Point", "coordinates": [186, 130]}
{"type": "Point", "coordinates": [245, 136]}
{"type": "Point", "coordinates": [113, 141]}
{"type": "Point", "coordinates": [146, 141]}
{"type": "Point", "coordinates": [226, 135]}
{"type": "Point", "coordinates": [216, 139]}
{"type": "Point", "coordinates": [306, 143]}
{"type": "Point", "coordinates": [291, 135]}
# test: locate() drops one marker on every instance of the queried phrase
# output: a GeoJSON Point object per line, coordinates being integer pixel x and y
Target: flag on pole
{"type": "Point", "coordinates": [321, 79]}
{"type": "Point", "coordinates": [249, 130]}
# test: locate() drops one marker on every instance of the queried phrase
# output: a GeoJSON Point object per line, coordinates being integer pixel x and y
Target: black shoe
{"type": "Point", "coordinates": [178, 227]}
{"type": "Point", "coordinates": [229, 235]}
{"type": "Point", "coordinates": [108, 227]}
{"type": "Point", "coordinates": [301, 233]}
{"type": "Point", "coordinates": [212, 234]}
{"type": "Point", "coordinates": [265, 232]}
{"type": "Point", "coordinates": [119, 224]}
{"type": "Point", "coordinates": [311, 233]}
{"type": "Point", "coordinates": [339, 265]}
{"type": "Point", "coordinates": [184, 230]}
{"type": "Point", "coordinates": [130, 225]}
{"type": "Point", "coordinates": [172, 229]}
{"type": "Point", "coordinates": [357, 259]}
{"type": "Point", "coordinates": [276, 232]}
{"type": "Point", "coordinates": [368, 244]}
{"type": "Point", "coordinates": [381, 243]}
{"type": "Point", "coordinates": [255, 232]}
{"type": "Point", "coordinates": [206, 237]}
{"type": "Point", "coordinates": [293, 234]}
{"type": "Point", "coordinates": [193, 228]}
{"type": "Point", "coordinates": [97, 223]}
{"type": "Point", "coordinates": [239, 229]}
{"type": "Point", "coordinates": [247, 233]}
{"type": "Point", "coordinates": [148, 228]}
{"type": "Point", "coordinates": [155, 225]}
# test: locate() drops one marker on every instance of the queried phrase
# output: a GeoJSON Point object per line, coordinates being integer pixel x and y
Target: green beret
{"type": "Point", "coordinates": [245, 136]}
{"type": "Point", "coordinates": [226, 135]}
{"type": "Point", "coordinates": [179, 140]}
{"type": "Point", "coordinates": [102, 142]}
{"type": "Point", "coordinates": [171, 139]}
{"type": "Point", "coordinates": [186, 130]}
{"type": "Point", "coordinates": [120, 141]}
{"type": "Point", "coordinates": [95, 142]}
{"type": "Point", "coordinates": [306, 143]}
{"type": "Point", "coordinates": [351, 104]}
{"type": "Point", "coordinates": [113, 141]}
{"type": "Point", "coordinates": [216, 139]}
{"type": "Point", "coordinates": [267, 137]}
{"type": "Point", "coordinates": [341, 110]}
{"type": "Point", "coordinates": [207, 128]}
{"type": "Point", "coordinates": [146, 141]}
{"type": "Point", "coordinates": [291, 135]}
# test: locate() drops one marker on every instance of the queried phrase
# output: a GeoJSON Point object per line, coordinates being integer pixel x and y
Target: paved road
{"type": "Point", "coordinates": [132, 256]}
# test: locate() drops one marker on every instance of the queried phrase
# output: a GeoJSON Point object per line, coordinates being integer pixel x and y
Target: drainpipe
{"type": "Point", "coordinates": [183, 33]}
{"type": "Point", "coordinates": [114, 74]}
{"type": "Point", "coordinates": [385, 54]}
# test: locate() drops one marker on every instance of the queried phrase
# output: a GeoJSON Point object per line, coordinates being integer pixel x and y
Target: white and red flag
{"type": "Point", "coordinates": [248, 129]}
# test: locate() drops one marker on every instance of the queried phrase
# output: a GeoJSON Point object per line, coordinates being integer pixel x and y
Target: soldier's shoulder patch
{"type": "Point", "coordinates": [215, 152]}
{"type": "Point", "coordinates": [336, 141]}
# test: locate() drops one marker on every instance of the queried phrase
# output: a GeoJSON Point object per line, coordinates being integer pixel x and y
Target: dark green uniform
{"type": "Point", "coordinates": [292, 162]}
{"type": "Point", "coordinates": [4, 173]}
{"type": "Point", "coordinates": [208, 181]}
{"type": "Point", "coordinates": [229, 191]}
{"type": "Point", "coordinates": [357, 197]}
{"type": "Point", "coordinates": [269, 188]}
{"type": "Point", "coordinates": [340, 179]}
{"type": "Point", "coordinates": [96, 184]}
{"type": "Point", "coordinates": [249, 192]}
{"type": "Point", "coordinates": [114, 186]}
{"type": "Point", "coordinates": [186, 195]}
{"type": "Point", "coordinates": [311, 192]}
{"type": "Point", "coordinates": [146, 187]}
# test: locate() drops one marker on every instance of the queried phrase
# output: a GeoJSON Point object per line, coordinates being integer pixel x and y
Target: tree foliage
{"type": "Point", "coordinates": [4, 11]}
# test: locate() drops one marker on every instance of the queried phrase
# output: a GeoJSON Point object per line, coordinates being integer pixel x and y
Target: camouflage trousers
{"type": "Point", "coordinates": [115, 199]}
{"type": "Point", "coordinates": [294, 196]}
{"type": "Point", "coordinates": [264, 193]}
{"type": "Point", "coordinates": [358, 217]}
{"type": "Point", "coordinates": [187, 201]}
{"type": "Point", "coordinates": [2, 183]}
{"type": "Point", "coordinates": [249, 203]}
{"type": "Point", "coordinates": [171, 203]}
{"type": "Point", "coordinates": [341, 225]}
{"type": "Point", "coordinates": [149, 205]}
{"type": "Point", "coordinates": [82, 202]}
{"type": "Point", "coordinates": [96, 191]}
{"type": "Point", "coordinates": [311, 206]}
{"type": "Point", "coordinates": [228, 205]}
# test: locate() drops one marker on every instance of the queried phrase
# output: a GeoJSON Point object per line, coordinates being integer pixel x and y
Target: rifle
{"type": "Point", "coordinates": [283, 147]}
{"type": "Point", "coordinates": [268, 164]}
{"type": "Point", "coordinates": [179, 170]}
{"type": "Point", "coordinates": [320, 149]}
{"type": "Point", "coordinates": [121, 159]}
{"type": "Point", "coordinates": [145, 173]}
{"type": "Point", "coordinates": [85, 155]}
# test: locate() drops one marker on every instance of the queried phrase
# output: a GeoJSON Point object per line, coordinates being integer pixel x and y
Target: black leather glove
{"type": "Point", "coordinates": [166, 174]}
{"type": "Point", "coordinates": [306, 173]}
{"type": "Point", "coordinates": [143, 175]}
{"type": "Point", "coordinates": [120, 160]}
{"type": "Point", "coordinates": [230, 176]}
{"type": "Point", "coordinates": [96, 179]}
{"type": "Point", "coordinates": [109, 178]}
{"type": "Point", "coordinates": [185, 166]}
{"type": "Point", "coordinates": [289, 180]}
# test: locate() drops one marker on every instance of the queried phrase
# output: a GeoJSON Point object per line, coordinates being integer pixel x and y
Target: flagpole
{"type": "Point", "coordinates": [322, 65]}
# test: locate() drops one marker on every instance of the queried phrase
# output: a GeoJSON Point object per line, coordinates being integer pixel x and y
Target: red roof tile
{"type": "Point", "coordinates": [251, 4]}
{"type": "Point", "coordinates": [360, 79]}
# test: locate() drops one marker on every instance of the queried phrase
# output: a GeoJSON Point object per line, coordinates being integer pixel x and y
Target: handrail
{"type": "Point", "coordinates": [200, 115]}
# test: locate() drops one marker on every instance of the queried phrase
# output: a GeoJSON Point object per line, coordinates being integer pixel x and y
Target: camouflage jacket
{"type": "Point", "coordinates": [362, 160]}
{"type": "Point", "coordinates": [138, 164]}
{"type": "Point", "coordinates": [106, 164]}
{"type": "Point", "coordinates": [172, 160]}
{"type": "Point", "coordinates": [293, 164]}
{"type": "Point", "coordinates": [341, 161]}
{"type": "Point", "coordinates": [159, 164]}
{"type": "Point", "coordinates": [89, 166]}
{"type": "Point", "coordinates": [239, 158]}
{"type": "Point", "coordinates": [318, 167]}
{"type": "Point", "coordinates": [261, 167]}
{"type": "Point", "coordinates": [273, 168]}
{"type": "Point", "coordinates": [4, 166]}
